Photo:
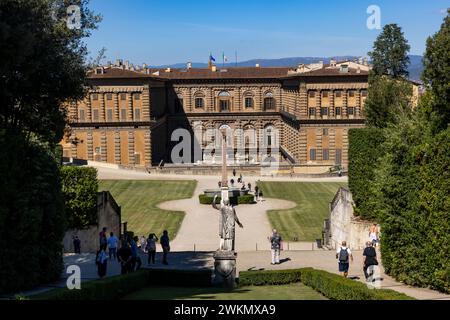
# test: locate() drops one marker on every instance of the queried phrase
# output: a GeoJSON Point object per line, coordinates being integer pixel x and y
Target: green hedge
{"type": "Point", "coordinates": [363, 153]}
{"type": "Point", "coordinates": [331, 285]}
{"type": "Point", "coordinates": [113, 288]}
{"type": "Point", "coordinates": [245, 199]}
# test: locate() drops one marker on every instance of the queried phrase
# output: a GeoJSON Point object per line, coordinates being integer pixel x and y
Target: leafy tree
{"type": "Point", "coordinates": [390, 52]}
{"type": "Point", "coordinates": [436, 74]}
{"type": "Point", "coordinates": [387, 99]}
{"type": "Point", "coordinates": [79, 187]}
{"type": "Point", "coordinates": [42, 64]}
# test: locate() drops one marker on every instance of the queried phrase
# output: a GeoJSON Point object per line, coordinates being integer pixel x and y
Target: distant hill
{"type": "Point", "coordinates": [415, 68]}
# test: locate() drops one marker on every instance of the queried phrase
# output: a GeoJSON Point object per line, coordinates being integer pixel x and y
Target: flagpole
{"type": "Point", "coordinates": [235, 53]}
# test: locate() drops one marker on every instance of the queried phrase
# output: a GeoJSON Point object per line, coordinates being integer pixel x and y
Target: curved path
{"type": "Point", "coordinates": [200, 226]}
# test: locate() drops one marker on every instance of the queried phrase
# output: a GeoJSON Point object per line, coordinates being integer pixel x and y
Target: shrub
{"type": "Point", "coordinates": [330, 285]}
{"type": "Point", "coordinates": [205, 199]}
{"type": "Point", "coordinates": [80, 186]}
{"type": "Point", "coordinates": [114, 288]}
{"type": "Point", "coordinates": [246, 199]}
{"type": "Point", "coordinates": [365, 148]}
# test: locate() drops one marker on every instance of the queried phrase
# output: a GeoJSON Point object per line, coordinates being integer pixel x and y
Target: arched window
{"type": "Point", "coordinates": [269, 101]}
{"type": "Point", "coordinates": [269, 136]}
{"type": "Point", "coordinates": [224, 101]}
{"type": "Point", "coordinates": [248, 100]}
{"type": "Point", "coordinates": [199, 101]}
{"type": "Point", "coordinates": [224, 94]}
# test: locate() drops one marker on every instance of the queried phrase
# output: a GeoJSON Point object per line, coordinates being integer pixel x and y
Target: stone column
{"type": "Point", "coordinates": [102, 99]}
{"type": "Point", "coordinates": [116, 107]}
{"type": "Point", "coordinates": [117, 158]}
{"type": "Point", "coordinates": [131, 160]}
{"type": "Point", "coordinates": [130, 106]}
{"type": "Point", "coordinates": [88, 108]}
{"type": "Point", "coordinates": [146, 109]}
{"type": "Point", "coordinates": [148, 148]}
{"type": "Point", "coordinates": [90, 148]}
{"type": "Point", "coordinates": [103, 146]}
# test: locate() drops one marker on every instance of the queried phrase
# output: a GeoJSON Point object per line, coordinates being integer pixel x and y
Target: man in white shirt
{"type": "Point", "coordinates": [344, 255]}
{"type": "Point", "coordinates": [112, 245]}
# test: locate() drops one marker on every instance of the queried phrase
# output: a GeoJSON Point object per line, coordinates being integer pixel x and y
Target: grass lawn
{"type": "Point", "coordinates": [305, 221]}
{"type": "Point", "coordinates": [139, 199]}
{"type": "Point", "coordinates": [295, 291]}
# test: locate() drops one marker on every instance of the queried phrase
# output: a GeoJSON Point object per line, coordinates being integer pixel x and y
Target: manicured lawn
{"type": "Point", "coordinates": [305, 221]}
{"type": "Point", "coordinates": [139, 199]}
{"type": "Point", "coordinates": [295, 291]}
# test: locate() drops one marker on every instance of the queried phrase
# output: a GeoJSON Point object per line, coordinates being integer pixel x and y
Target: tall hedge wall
{"type": "Point", "coordinates": [32, 221]}
{"type": "Point", "coordinates": [364, 151]}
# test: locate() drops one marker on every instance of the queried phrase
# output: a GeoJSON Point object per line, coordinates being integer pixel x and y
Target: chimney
{"type": "Point", "coordinates": [189, 65]}
{"type": "Point", "coordinates": [168, 70]}
{"type": "Point", "coordinates": [127, 64]}
{"type": "Point", "coordinates": [257, 65]}
{"type": "Point", "coordinates": [360, 61]}
{"type": "Point", "coordinates": [119, 62]}
{"type": "Point", "coordinates": [144, 66]}
{"type": "Point", "coordinates": [213, 68]}
{"type": "Point", "coordinates": [365, 61]}
{"type": "Point", "coordinates": [332, 63]}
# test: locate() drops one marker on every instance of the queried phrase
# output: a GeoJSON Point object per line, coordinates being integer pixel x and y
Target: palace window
{"type": "Point", "coordinates": [109, 96]}
{"type": "Point", "coordinates": [137, 96]}
{"type": "Point", "coordinates": [224, 105]}
{"type": "Point", "coordinates": [351, 111]}
{"type": "Point", "coordinates": [123, 114]}
{"type": "Point", "coordinates": [98, 150]}
{"type": "Point", "coordinates": [325, 94]}
{"type": "Point", "coordinates": [337, 111]}
{"type": "Point", "coordinates": [123, 96]}
{"type": "Point", "coordinates": [311, 111]}
{"type": "Point", "coordinates": [109, 114]}
{"type": "Point", "coordinates": [95, 96]}
{"type": "Point", "coordinates": [363, 93]}
{"type": "Point", "coordinates": [325, 154]}
{"type": "Point", "coordinates": [325, 131]}
{"type": "Point", "coordinates": [137, 158]}
{"type": "Point", "coordinates": [324, 111]}
{"type": "Point", "coordinates": [248, 102]}
{"type": "Point", "coordinates": [199, 103]}
{"type": "Point", "coordinates": [338, 93]}
{"type": "Point", "coordinates": [137, 114]}
{"type": "Point", "coordinates": [351, 93]}
{"type": "Point", "coordinates": [95, 115]}
{"type": "Point", "coordinates": [312, 94]}
{"type": "Point", "coordinates": [269, 103]}
{"type": "Point", "coordinates": [312, 154]}
{"type": "Point", "coordinates": [81, 118]}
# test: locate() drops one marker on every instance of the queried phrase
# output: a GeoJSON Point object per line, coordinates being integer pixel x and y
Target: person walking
{"type": "Point", "coordinates": [77, 245]}
{"type": "Point", "coordinates": [135, 259]}
{"type": "Point", "coordinates": [102, 237]}
{"type": "Point", "coordinates": [373, 234]}
{"type": "Point", "coordinates": [275, 246]}
{"type": "Point", "coordinates": [151, 248]}
{"type": "Point", "coordinates": [165, 244]}
{"type": "Point", "coordinates": [101, 260]}
{"type": "Point", "coordinates": [370, 258]}
{"type": "Point", "coordinates": [234, 172]}
{"type": "Point", "coordinates": [113, 241]}
{"type": "Point", "coordinates": [143, 244]}
{"type": "Point", "coordinates": [256, 193]}
{"type": "Point", "coordinates": [249, 186]}
{"type": "Point", "coordinates": [260, 196]}
{"type": "Point", "coordinates": [344, 255]}
{"type": "Point", "coordinates": [124, 256]}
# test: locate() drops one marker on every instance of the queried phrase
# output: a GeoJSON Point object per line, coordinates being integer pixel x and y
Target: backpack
{"type": "Point", "coordinates": [343, 255]}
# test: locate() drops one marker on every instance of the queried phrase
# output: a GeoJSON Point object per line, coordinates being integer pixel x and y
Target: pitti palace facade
{"type": "Point", "coordinates": [129, 113]}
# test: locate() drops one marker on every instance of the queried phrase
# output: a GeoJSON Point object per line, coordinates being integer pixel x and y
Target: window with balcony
{"type": "Point", "coordinates": [199, 103]}
{"type": "Point", "coordinates": [248, 102]}
{"type": "Point", "coordinates": [325, 154]}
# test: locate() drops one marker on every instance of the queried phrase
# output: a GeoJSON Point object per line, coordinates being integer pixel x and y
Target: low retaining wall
{"type": "Point", "coordinates": [342, 225]}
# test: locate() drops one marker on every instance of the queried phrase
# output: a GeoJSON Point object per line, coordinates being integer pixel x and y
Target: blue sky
{"type": "Point", "coordinates": [165, 32]}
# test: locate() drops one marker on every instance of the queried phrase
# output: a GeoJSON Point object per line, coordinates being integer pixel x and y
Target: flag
{"type": "Point", "coordinates": [211, 57]}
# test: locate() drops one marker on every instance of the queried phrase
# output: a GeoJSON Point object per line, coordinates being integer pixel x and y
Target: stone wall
{"type": "Point", "coordinates": [108, 215]}
{"type": "Point", "coordinates": [342, 225]}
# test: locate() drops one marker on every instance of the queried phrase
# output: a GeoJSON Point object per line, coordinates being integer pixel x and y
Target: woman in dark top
{"type": "Point", "coordinates": [370, 258]}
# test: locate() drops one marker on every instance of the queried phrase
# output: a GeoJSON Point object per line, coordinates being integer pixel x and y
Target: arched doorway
{"type": "Point", "coordinates": [224, 100]}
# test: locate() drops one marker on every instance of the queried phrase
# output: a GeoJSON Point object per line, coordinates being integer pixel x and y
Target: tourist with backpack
{"type": "Point", "coordinates": [275, 246]}
{"type": "Point", "coordinates": [370, 258]}
{"type": "Point", "coordinates": [344, 255]}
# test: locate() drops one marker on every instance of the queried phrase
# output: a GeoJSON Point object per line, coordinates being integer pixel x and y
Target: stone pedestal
{"type": "Point", "coordinates": [225, 268]}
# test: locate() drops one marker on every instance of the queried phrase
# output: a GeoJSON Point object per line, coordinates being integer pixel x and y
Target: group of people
{"type": "Point", "coordinates": [344, 254]}
{"type": "Point", "coordinates": [130, 251]}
